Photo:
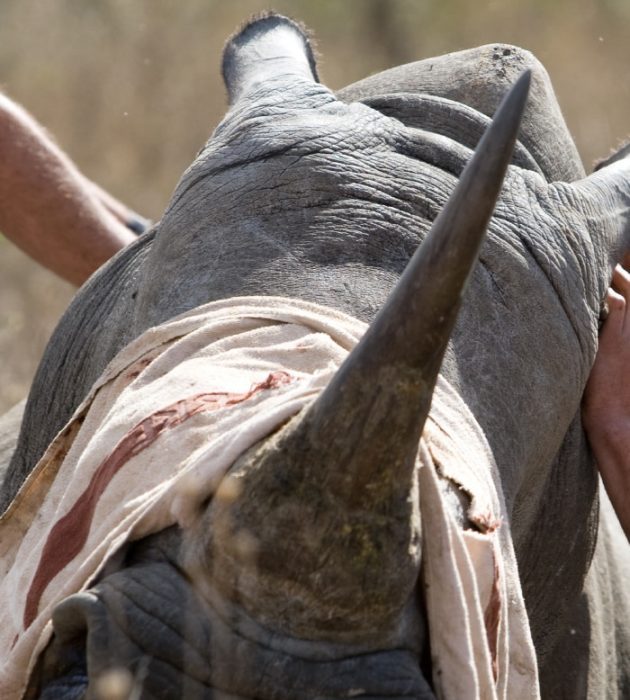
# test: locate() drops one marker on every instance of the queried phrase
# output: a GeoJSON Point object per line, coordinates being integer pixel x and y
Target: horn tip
{"type": "Point", "coordinates": [519, 91]}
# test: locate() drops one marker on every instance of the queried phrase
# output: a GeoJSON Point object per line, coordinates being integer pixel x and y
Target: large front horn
{"type": "Point", "coordinates": [331, 499]}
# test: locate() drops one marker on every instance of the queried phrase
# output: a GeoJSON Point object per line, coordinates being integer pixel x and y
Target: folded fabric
{"type": "Point", "coordinates": [164, 423]}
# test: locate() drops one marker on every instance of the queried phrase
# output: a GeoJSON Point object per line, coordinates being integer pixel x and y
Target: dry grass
{"type": "Point", "coordinates": [131, 90]}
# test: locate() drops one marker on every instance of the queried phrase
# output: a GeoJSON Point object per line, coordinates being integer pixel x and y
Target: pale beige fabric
{"type": "Point", "coordinates": [480, 640]}
{"type": "Point", "coordinates": [169, 416]}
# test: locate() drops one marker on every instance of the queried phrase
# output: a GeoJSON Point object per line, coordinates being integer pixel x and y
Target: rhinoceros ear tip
{"type": "Point", "coordinates": [266, 21]}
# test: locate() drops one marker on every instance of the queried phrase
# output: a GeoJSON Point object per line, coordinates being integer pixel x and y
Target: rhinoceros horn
{"type": "Point", "coordinates": [328, 505]}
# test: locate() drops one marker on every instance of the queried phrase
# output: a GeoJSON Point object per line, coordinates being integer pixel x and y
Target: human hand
{"type": "Point", "coordinates": [132, 220]}
{"type": "Point", "coordinates": [606, 406]}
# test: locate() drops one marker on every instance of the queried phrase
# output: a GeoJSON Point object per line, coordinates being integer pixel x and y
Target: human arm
{"type": "Point", "coordinates": [131, 219]}
{"type": "Point", "coordinates": [606, 407]}
{"type": "Point", "coordinates": [47, 207]}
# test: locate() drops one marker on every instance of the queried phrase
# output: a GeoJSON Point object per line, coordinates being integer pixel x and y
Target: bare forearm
{"type": "Point", "coordinates": [46, 206]}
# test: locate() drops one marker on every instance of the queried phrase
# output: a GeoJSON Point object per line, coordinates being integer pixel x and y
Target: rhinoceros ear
{"type": "Point", "coordinates": [330, 500]}
{"type": "Point", "coordinates": [619, 153]}
{"type": "Point", "coordinates": [267, 47]}
{"type": "Point", "coordinates": [603, 199]}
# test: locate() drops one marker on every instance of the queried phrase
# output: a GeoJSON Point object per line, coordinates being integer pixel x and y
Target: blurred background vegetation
{"type": "Point", "coordinates": [131, 90]}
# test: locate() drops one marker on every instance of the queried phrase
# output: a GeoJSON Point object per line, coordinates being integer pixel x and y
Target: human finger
{"type": "Point", "coordinates": [621, 281]}
{"type": "Point", "coordinates": [131, 219]}
{"type": "Point", "coordinates": [616, 305]}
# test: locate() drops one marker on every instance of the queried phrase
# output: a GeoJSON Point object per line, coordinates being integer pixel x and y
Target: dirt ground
{"type": "Point", "coordinates": [131, 89]}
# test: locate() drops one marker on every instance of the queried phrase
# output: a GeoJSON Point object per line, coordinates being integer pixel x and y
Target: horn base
{"type": "Point", "coordinates": [311, 550]}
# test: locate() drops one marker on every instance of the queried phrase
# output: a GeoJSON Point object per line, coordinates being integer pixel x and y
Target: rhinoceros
{"type": "Point", "coordinates": [326, 197]}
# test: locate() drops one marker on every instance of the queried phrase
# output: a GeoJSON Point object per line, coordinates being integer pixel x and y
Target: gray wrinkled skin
{"type": "Point", "coordinates": [303, 193]}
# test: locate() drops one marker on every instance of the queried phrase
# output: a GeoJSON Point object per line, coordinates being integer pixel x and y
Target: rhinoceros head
{"type": "Point", "coordinates": [330, 609]}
